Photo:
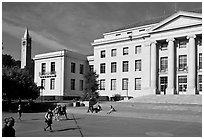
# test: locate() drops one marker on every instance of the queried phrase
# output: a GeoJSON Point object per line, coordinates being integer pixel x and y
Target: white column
{"type": "Point", "coordinates": [153, 67]}
{"type": "Point", "coordinates": [171, 67]}
{"type": "Point", "coordinates": [192, 73]}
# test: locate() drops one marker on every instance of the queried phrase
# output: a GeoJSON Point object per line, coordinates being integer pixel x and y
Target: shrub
{"type": "Point", "coordinates": [116, 97]}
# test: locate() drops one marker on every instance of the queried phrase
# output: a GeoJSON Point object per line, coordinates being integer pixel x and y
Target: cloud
{"type": "Point", "coordinates": [45, 39]}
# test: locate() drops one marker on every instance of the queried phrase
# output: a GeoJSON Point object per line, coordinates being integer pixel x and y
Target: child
{"type": "Point", "coordinates": [111, 110]}
{"type": "Point", "coordinates": [48, 120]}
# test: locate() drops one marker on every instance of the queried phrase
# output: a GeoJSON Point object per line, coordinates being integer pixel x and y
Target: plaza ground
{"type": "Point", "coordinates": [132, 119]}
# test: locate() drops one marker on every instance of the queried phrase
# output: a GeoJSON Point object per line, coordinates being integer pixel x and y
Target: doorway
{"type": "Point", "coordinates": [163, 84]}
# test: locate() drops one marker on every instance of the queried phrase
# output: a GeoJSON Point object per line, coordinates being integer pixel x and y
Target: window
{"type": "Point", "coordinates": [113, 84]}
{"type": "Point", "coordinates": [125, 66]}
{"type": "Point", "coordinates": [163, 64]}
{"type": "Point", "coordinates": [73, 67]}
{"type": "Point", "coordinates": [117, 34]}
{"type": "Point", "coordinates": [163, 46]}
{"type": "Point", "coordinates": [43, 83]}
{"type": "Point", "coordinates": [52, 84]}
{"type": "Point", "coordinates": [199, 41]}
{"type": "Point", "coordinates": [91, 67]}
{"type": "Point", "coordinates": [163, 83]}
{"type": "Point", "coordinates": [182, 62]}
{"type": "Point", "coordinates": [113, 52]}
{"type": "Point", "coordinates": [138, 49]}
{"type": "Point", "coordinates": [43, 68]}
{"type": "Point", "coordinates": [81, 85]}
{"type": "Point", "coordinates": [52, 67]}
{"type": "Point", "coordinates": [137, 65]}
{"type": "Point", "coordinates": [182, 81]}
{"type": "Point", "coordinates": [200, 60]}
{"type": "Point", "coordinates": [183, 43]}
{"type": "Point", "coordinates": [200, 82]}
{"type": "Point", "coordinates": [81, 69]}
{"type": "Point", "coordinates": [102, 84]}
{"type": "Point", "coordinates": [72, 84]}
{"type": "Point", "coordinates": [103, 54]}
{"type": "Point", "coordinates": [113, 67]}
{"type": "Point", "coordinates": [125, 51]}
{"type": "Point", "coordinates": [103, 68]}
{"type": "Point", "coordinates": [137, 83]}
{"type": "Point", "coordinates": [125, 84]}
{"type": "Point", "coordinates": [130, 32]}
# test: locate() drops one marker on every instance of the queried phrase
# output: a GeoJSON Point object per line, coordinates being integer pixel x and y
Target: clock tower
{"type": "Point", "coordinates": [26, 51]}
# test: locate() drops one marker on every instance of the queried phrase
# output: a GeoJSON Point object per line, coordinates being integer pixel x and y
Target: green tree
{"type": "Point", "coordinates": [91, 85]}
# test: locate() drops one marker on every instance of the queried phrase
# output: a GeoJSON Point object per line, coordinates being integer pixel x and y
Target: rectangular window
{"type": "Point", "coordinates": [73, 66]}
{"type": "Point", "coordinates": [137, 83]}
{"type": "Point", "coordinates": [113, 52]}
{"type": "Point", "coordinates": [182, 81]}
{"type": "Point", "coordinates": [125, 66]}
{"type": "Point", "coordinates": [43, 83]}
{"type": "Point", "coordinates": [125, 51]}
{"type": "Point", "coordinates": [103, 54]}
{"type": "Point", "coordinates": [52, 84]}
{"type": "Point", "coordinates": [199, 41]}
{"type": "Point", "coordinates": [113, 84]}
{"type": "Point", "coordinates": [81, 85]}
{"type": "Point", "coordinates": [163, 64]}
{"type": "Point", "coordinates": [200, 60]}
{"type": "Point", "coordinates": [113, 67]}
{"type": "Point", "coordinates": [137, 65]}
{"type": "Point", "coordinates": [72, 84]}
{"type": "Point", "coordinates": [81, 69]}
{"type": "Point", "coordinates": [163, 46]}
{"type": "Point", "coordinates": [200, 82]}
{"type": "Point", "coordinates": [183, 43]}
{"type": "Point", "coordinates": [43, 68]}
{"type": "Point", "coordinates": [138, 49]}
{"type": "Point", "coordinates": [182, 62]}
{"type": "Point", "coordinates": [91, 67]}
{"type": "Point", "coordinates": [52, 67]}
{"type": "Point", "coordinates": [103, 68]}
{"type": "Point", "coordinates": [125, 84]}
{"type": "Point", "coordinates": [102, 84]}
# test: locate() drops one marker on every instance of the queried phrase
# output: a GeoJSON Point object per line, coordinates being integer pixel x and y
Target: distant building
{"type": "Point", "coordinates": [61, 74]}
{"type": "Point", "coordinates": [160, 56]}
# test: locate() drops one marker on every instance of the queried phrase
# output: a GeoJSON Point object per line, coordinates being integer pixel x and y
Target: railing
{"type": "Point", "coordinates": [182, 69]}
{"type": "Point", "coordinates": [163, 70]}
{"type": "Point", "coordinates": [47, 74]}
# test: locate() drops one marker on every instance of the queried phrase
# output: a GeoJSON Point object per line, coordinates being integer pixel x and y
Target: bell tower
{"type": "Point", "coordinates": [26, 51]}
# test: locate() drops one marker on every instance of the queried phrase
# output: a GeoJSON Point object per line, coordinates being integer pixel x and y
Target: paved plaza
{"type": "Point", "coordinates": [130, 120]}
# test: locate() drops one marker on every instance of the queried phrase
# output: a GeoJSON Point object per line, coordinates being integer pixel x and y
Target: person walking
{"type": "Point", "coordinates": [64, 108]}
{"type": "Point", "coordinates": [48, 120]}
{"type": "Point", "coordinates": [111, 110]}
{"type": "Point", "coordinates": [19, 110]}
{"type": "Point", "coordinates": [8, 130]}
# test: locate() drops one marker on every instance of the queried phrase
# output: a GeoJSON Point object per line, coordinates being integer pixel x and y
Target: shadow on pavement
{"type": "Point", "coordinates": [65, 129]}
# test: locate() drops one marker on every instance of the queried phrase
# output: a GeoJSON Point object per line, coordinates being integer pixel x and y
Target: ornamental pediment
{"type": "Point", "coordinates": [178, 20]}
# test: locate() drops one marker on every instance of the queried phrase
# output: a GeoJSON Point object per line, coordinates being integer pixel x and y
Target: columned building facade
{"type": "Point", "coordinates": [160, 56]}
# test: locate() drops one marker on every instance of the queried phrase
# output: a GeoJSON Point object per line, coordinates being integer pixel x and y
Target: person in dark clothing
{"type": "Point", "coordinates": [64, 108]}
{"type": "Point", "coordinates": [48, 120]}
{"type": "Point", "coordinates": [8, 130]}
{"type": "Point", "coordinates": [19, 111]}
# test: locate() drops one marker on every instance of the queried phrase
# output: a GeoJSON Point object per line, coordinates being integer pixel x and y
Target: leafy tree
{"type": "Point", "coordinates": [16, 82]}
{"type": "Point", "coordinates": [91, 85]}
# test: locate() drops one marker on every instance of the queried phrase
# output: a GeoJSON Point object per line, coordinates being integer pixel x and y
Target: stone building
{"type": "Point", "coordinates": [159, 56]}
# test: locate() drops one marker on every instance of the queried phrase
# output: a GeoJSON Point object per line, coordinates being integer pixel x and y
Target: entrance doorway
{"type": "Point", "coordinates": [163, 84]}
{"type": "Point", "coordinates": [182, 84]}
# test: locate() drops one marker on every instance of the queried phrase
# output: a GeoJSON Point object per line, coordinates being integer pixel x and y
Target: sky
{"type": "Point", "coordinates": [54, 26]}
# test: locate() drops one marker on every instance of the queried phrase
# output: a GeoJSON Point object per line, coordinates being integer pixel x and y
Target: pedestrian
{"type": "Point", "coordinates": [111, 110]}
{"type": "Point", "coordinates": [8, 130]}
{"type": "Point", "coordinates": [48, 120]}
{"type": "Point", "coordinates": [64, 108]}
{"type": "Point", "coordinates": [56, 112]}
{"type": "Point", "coordinates": [90, 108]}
{"type": "Point", "coordinates": [19, 110]}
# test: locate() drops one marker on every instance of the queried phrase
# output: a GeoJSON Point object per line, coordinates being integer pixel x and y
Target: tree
{"type": "Point", "coordinates": [91, 85]}
{"type": "Point", "coordinates": [16, 82]}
